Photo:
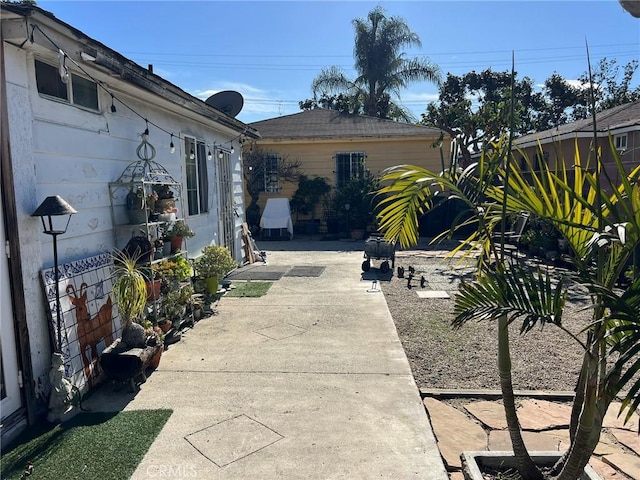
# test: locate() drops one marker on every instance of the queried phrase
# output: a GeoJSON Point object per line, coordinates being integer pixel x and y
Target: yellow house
{"type": "Point", "coordinates": [621, 122]}
{"type": "Point", "coordinates": [338, 147]}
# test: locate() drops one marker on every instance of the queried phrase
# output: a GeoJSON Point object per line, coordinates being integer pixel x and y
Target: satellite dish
{"type": "Point", "coordinates": [228, 102]}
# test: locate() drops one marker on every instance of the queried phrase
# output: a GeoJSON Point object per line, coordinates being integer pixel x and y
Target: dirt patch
{"type": "Point", "coordinates": [441, 357]}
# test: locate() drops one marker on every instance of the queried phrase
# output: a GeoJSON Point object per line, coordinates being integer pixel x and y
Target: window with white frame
{"type": "Point", "coordinates": [271, 173]}
{"type": "Point", "coordinates": [77, 91]}
{"type": "Point", "coordinates": [349, 165]}
{"type": "Point", "coordinates": [197, 177]}
{"type": "Point", "coordinates": [620, 141]}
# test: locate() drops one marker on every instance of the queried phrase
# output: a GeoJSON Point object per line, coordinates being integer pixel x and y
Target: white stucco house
{"type": "Point", "coordinates": [73, 112]}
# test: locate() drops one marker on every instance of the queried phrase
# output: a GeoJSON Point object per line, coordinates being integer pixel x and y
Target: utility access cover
{"type": "Point", "coordinates": [305, 271]}
{"type": "Point", "coordinates": [233, 439]}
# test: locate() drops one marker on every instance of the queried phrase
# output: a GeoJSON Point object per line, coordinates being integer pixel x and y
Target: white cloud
{"type": "Point", "coordinates": [424, 97]}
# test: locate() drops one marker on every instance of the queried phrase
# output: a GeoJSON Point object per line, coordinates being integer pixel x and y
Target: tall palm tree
{"type": "Point", "coordinates": [381, 67]}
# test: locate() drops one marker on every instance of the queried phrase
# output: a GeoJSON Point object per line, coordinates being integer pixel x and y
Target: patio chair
{"type": "Point", "coordinates": [513, 237]}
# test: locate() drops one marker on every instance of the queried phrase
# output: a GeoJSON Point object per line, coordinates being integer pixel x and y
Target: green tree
{"type": "Point", "coordinates": [309, 194]}
{"type": "Point", "coordinates": [560, 99]}
{"type": "Point", "coordinates": [612, 87]}
{"type": "Point", "coordinates": [381, 67]}
{"type": "Point", "coordinates": [253, 165]}
{"type": "Point", "coordinates": [474, 108]}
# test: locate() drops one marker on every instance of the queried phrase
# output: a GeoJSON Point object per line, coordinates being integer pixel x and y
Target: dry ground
{"type": "Point", "coordinates": [442, 357]}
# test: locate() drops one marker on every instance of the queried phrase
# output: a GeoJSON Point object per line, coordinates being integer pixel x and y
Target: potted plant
{"type": "Point", "coordinates": [172, 308]}
{"type": "Point", "coordinates": [130, 291]}
{"type": "Point", "coordinates": [593, 215]}
{"type": "Point", "coordinates": [154, 338]}
{"type": "Point", "coordinates": [176, 232]}
{"type": "Point", "coordinates": [171, 272]}
{"type": "Point", "coordinates": [197, 306]}
{"type": "Point", "coordinates": [353, 204]}
{"type": "Point", "coordinates": [310, 192]}
{"type": "Point", "coordinates": [214, 263]}
{"type": "Point", "coordinates": [164, 202]}
{"type": "Point", "coordinates": [137, 205]}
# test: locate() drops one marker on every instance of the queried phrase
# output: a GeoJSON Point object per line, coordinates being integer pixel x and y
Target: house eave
{"type": "Point", "coordinates": [575, 134]}
{"type": "Point", "coordinates": [18, 22]}
{"type": "Point", "coordinates": [350, 139]}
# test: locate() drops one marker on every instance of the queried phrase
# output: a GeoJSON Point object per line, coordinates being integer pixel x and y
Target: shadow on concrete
{"type": "Point", "coordinates": [304, 243]}
{"type": "Point", "coordinates": [376, 274]}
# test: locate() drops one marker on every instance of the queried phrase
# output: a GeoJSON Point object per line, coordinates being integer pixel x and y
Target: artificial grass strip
{"type": "Point", "coordinates": [249, 289]}
{"type": "Point", "coordinates": [105, 446]}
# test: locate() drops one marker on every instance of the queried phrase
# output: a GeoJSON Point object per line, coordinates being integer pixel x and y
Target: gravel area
{"type": "Point", "coordinates": [442, 357]}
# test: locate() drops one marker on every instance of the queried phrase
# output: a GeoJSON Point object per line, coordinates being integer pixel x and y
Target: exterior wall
{"type": "Point", "coordinates": [317, 157]}
{"type": "Point", "coordinates": [60, 149]}
{"type": "Point", "coordinates": [565, 149]}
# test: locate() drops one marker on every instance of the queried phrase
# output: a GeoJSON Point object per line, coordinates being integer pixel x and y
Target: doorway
{"type": "Point", "coordinates": [9, 388]}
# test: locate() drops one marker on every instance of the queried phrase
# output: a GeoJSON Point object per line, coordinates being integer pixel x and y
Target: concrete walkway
{"type": "Point", "coordinates": [307, 382]}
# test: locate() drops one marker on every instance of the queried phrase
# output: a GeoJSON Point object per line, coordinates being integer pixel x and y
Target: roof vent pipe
{"type": "Point", "coordinates": [150, 68]}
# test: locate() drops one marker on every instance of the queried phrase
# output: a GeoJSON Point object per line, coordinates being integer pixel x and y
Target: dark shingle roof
{"type": "Point", "coordinates": [323, 123]}
{"type": "Point", "coordinates": [622, 116]}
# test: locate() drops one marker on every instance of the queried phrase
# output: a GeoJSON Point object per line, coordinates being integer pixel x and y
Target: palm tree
{"type": "Point", "coordinates": [381, 67]}
{"type": "Point", "coordinates": [597, 218]}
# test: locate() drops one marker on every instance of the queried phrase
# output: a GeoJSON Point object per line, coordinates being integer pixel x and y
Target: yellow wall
{"type": "Point", "coordinates": [317, 157]}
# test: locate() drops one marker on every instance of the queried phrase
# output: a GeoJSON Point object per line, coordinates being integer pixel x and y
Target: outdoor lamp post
{"type": "Point", "coordinates": [55, 206]}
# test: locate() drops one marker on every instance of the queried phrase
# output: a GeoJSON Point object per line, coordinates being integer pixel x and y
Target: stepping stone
{"type": "Point", "coordinates": [625, 462]}
{"type": "Point", "coordinates": [631, 440]}
{"type": "Point", "coordinates": [489, 413]}
{"type": "Point", "coordinates": [557, 440]}
{"type": "Point", "coordinates": [611, 419]}
{"type": "Point", "coordinates": [607, 445]}
{"type": "Point", "coordinates": [543, 415]}
{"type": "Point", "coordinates": [432, 294]}
{"type": "Point", "coordinates": [606, 471]}
{"type": "Point", "coordinates": [454, 431]}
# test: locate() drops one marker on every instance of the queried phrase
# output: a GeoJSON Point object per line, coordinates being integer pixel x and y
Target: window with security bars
{"type": "Point", "coordinates": [77, 91]}
{"type": "Point", "coordinates": [197, 177]}
{"type": "Point", "coordinates": [271, 174]}
{"type": "Point", "coordinates": [349, 165]}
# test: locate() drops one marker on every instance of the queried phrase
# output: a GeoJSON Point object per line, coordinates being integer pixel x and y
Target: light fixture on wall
{"type": "Point", "coordinates": [209, 155]}
{"type": "Point", "coordinates": [55, 206]}
{"type": "Point", "coordinates": [113, 105]}
{"type": "Point", "coordinates": [232, 149]}
{"type": "Point", "coordinates": [172, 147]}
{"type": "Point", "coordinates": [192, 154]}
{"type": "Point", "coordinates": [220, 154]}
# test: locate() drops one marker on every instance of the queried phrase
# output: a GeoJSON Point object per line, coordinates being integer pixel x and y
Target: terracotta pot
{"type": "Point", "coordinates": [155, 360]}
{"type": "Point", "coordinates": [153, 290]}
{"type": "Point", "coordinates": [165, 327]}
{"type": "Point", "coordinates": [176, 244]}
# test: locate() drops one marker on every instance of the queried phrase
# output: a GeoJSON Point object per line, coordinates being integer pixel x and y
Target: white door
{"type": "Point", "coordinates": [9, 389]}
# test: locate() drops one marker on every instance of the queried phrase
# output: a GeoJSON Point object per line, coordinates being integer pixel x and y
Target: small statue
{"type": "Point", "coordinates": [61, 390]}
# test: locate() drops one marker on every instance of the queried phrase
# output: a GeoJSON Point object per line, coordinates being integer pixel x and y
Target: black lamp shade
{"type": "Point", "coordinates": [54, 205]}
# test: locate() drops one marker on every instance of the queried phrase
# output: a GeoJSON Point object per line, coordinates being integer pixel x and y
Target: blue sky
{"type": "Point", "coordinates": [271, 51]}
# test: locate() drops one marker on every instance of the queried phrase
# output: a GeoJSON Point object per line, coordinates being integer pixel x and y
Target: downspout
{"type": "Point", "coordinates": [10, 222]}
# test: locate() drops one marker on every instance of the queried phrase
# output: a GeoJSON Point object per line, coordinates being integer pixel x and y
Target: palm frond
{"type": "Point", "coordinates": [519, 293]}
